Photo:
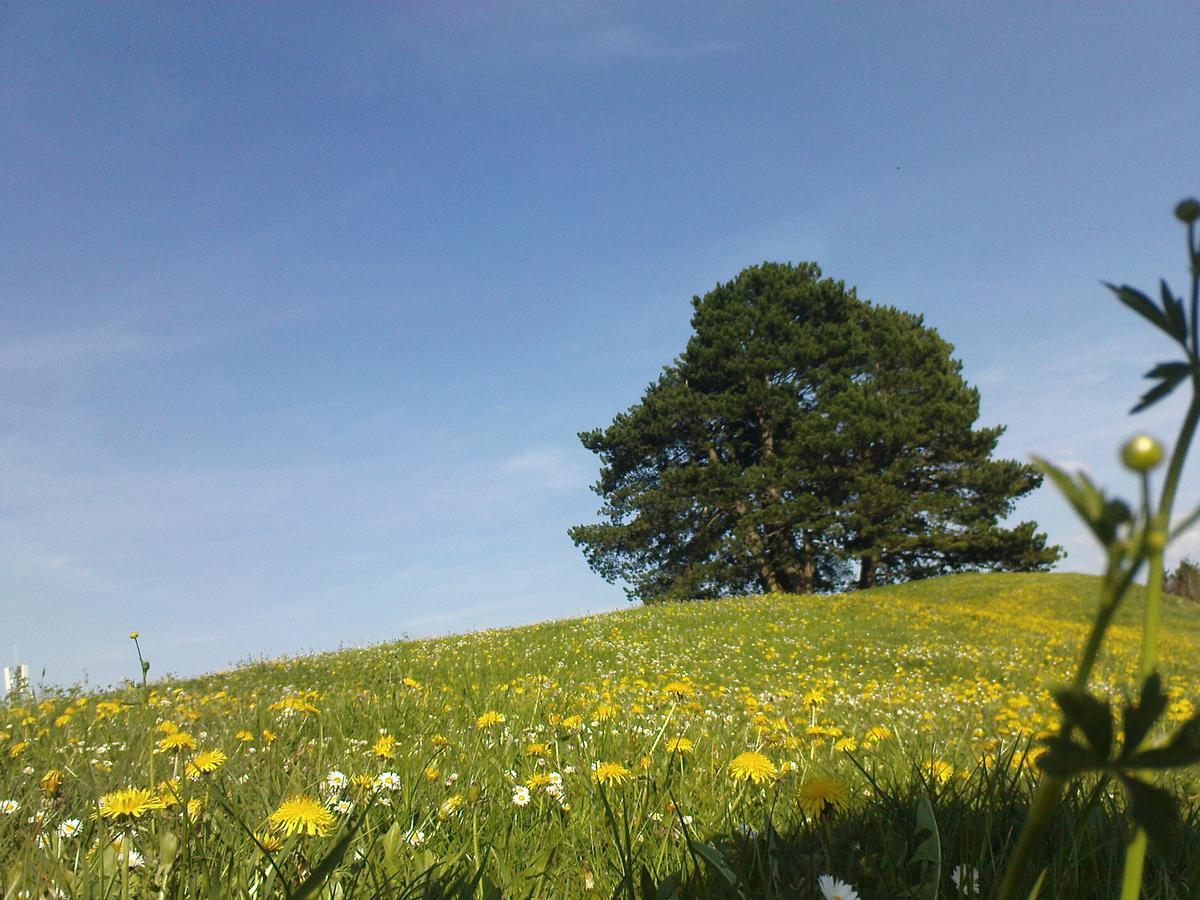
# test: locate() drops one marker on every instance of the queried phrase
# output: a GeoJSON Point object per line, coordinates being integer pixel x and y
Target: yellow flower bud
{"type": "Point", "coordinates": [1142, 453]}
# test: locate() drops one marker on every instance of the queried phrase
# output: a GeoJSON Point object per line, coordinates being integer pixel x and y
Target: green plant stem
{"type": "Point", "coordinates": [1135, 860]}
{"type": "Point", "coordinates": [1135, 853]}
{"type": "Point", "coordinates": [1050, 787]}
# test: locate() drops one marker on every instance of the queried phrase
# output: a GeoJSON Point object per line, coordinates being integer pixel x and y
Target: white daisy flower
{"type": "Point", "coordinates": [8, 807]}
{"type": "Point", "coordinates": [966, 879]}
{"type": "Point", "coordinates": [389, 781]}
{"type": "Point", "coordinates": [520, 796]}
{"type": "Point", "coordinates": [70, 828]}
{"type": "Point", "coordinates": [833, 889]}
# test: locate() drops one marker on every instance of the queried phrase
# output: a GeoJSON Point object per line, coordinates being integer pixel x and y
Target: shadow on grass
{"type": "Point", "coordinates": [909, 842]}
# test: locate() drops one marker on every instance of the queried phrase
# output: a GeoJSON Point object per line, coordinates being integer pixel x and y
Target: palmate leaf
{"type": "Point", "coordinates": [1169, 376]}
{"type": "Point", "coordinates": [1173, 307]}
{"type": "Point", "coordinates": [1065, 758]}
{"type": "Point", "coordinates": [1091, 716]}
{"type": "Point", "coordinates": [1155, 810]}
{"type": "Point", "coordinates": [1102, 515]}
{"type": "Point", "coordinates": [1183, 749]}
{"type": "Point", "coordinates": [1139, 718]}
{"type": "Point", "coordinates": [1163, 319]}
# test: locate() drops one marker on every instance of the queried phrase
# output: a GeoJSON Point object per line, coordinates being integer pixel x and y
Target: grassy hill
{"type": "Point", "coordinates": [448, 759]}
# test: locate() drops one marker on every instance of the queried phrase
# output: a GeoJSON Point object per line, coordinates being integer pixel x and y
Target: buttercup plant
{"type": "Point", "coordinates": [1086, 738]}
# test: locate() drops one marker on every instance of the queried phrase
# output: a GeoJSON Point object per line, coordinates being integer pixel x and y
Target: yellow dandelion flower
{"type": "Point", "coordinates": [440, 740]}
{"type": "Point", "coordinates": [605, 711]}
{"type": "Point", "coordinates": [941, 770]}
{"type": "Point", "coordinates": [205, 763]}
{"type": "Point", "coordinates": [302, 815]}
{"type": "Point", "coordinates": [244, 736]}
{"type": "Point", "coordinates": [572, 723]}
{"type": "Point", "coordinates": [166, 727]}
{"type": "Point", "coordinates": [294, 705]}
{"type": "Point", "coordinates": [679, 689]}
{"type": "Point", "coordinates": [268, 736]}
{"type": "Point", "coordinates": [385, 747]}
{"type": "Point", "coordinates": [52, 781]}
{"type": "Point", "coordinates": [752, 766]}
{"type": "Point", "coordinates": [813, 697]}
{"type": "Point", "coordinates": [431, 773]}
{"type": "Point", "coordinates": [175, 741]}
{"type": "Point", "coordinates": [538, 780]}
{"type": "Point", "coordinates": [168, 793]}
{"type": "Point", "coordinates": [411, 683]}
{"type": "Point", "coordinates": [129, 803]}
{"type": "Point", "coordinates": [611, 773]}
{"type": "Point", "coordinates": [848, 744]}
{"type": "Point", "coordinates": [680, 745]}
{"type": "Point", "coordinates": [490, 719]}
{"type": "Point", "coordinates": [449, 807]}
{"type": "Point", "coordinates": [537, 749]}
{"type": "Point", "coordinates": [268, 841]}
{"type": "Point", "coordinates": [817, 794]}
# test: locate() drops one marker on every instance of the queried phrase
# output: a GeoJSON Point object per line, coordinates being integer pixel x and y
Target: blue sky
{"type": "Point", "coordinates": [301, 307]}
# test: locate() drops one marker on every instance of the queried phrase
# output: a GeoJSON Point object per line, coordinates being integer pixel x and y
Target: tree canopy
{"type": "Point", "coordinates": [804, 440]}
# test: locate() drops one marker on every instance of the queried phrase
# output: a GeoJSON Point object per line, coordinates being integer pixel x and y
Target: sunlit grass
{"type": "Point", "coordinates": [586, 756]}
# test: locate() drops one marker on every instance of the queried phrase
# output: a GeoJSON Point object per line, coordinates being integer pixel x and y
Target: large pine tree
{"type": "Point", "coordinates": [805, 439]}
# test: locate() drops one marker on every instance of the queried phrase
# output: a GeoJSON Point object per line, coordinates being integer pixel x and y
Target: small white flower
{"type": "Point", "coordinates": [336, 780]}
{"type": "Point", "coordinates": [70, 828]}
{"type": "Point", "coordinates": [833, 889]}
{"type": "Point", "coordinates": [8, 807]}
{"type": "Point", "coordinates": [343, 807]}
{"type": "Point", "coordinates": [966, 879]}
{"type": "Point", "coordinates": [389, 781]}
{"type": "Point", "coordinates": [520, 796]}
{"type": "Point", "coordinates": [415, 838]}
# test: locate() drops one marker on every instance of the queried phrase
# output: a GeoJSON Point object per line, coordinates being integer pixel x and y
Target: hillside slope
{"type": "Point", "coordinates": [494, 738]}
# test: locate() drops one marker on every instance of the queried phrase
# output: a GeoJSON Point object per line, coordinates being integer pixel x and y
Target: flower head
{"type": "Point", "coordinates": [205, 763]}
{"type": "Point", "coordinates": [129, 803]}
{"type": "Point", "coordinates": [833, 889]}
{"type": "Point", "coordinates": [490, 719]}
{"type": "Point", "coordinates": [680, 745]}
{"type": "Point", "coordinates": [818, 793]}
{"type": "Point", "coordinates": [302, 814]}
{"type": "Point", "coordinates": [611, 773]}
{"type": "Point", "coordinates": [752, 766]}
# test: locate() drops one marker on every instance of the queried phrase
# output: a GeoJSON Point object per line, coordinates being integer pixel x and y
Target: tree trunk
{"type": "Point", "coordinates": [866, 571]}
{"type": "Point", "coordinates": [768, 580]}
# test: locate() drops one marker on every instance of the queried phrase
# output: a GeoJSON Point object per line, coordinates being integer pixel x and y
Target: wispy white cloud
{"type": "Point", "coordinates": [548, 467]}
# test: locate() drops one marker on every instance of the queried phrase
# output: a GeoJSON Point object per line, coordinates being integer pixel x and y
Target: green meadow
{"type": "Point", "coordinates": [739, 747]}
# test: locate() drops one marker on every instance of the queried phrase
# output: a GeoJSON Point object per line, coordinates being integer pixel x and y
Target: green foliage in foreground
{"type": "Point", "coordinates": [894, 722]}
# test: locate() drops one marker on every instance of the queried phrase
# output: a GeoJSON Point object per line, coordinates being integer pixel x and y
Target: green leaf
{"type": "Point", "coordinates": [1139, 718]}
{"type": "Point", "coordinates": [1155, 810]}
{"type": "Point", "coordinates": [1163, 388]}
{"type": "Point", "coordinates": [1175, 315]}
{"type": "Point", "coordinates": [713, 857]}
{"type": "Point", "coordinates": [1182, 750]}
{"type": "Point", "coordinates": [1143, 306]}
{"type": "Point", "coordinates": [1066, 758]}
{"type": "Point", "coordinates": [1083, 496]}
{"type": "Point", "coordinates": [1037, 885]}
{"type": "Point", "coordinates": [1091, 716]}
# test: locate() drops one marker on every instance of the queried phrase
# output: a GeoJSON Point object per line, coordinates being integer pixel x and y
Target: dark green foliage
{"type": "Point", "coordinates": [1184, 581]}
{"type": "Point", "coordinates": [804, 438]}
